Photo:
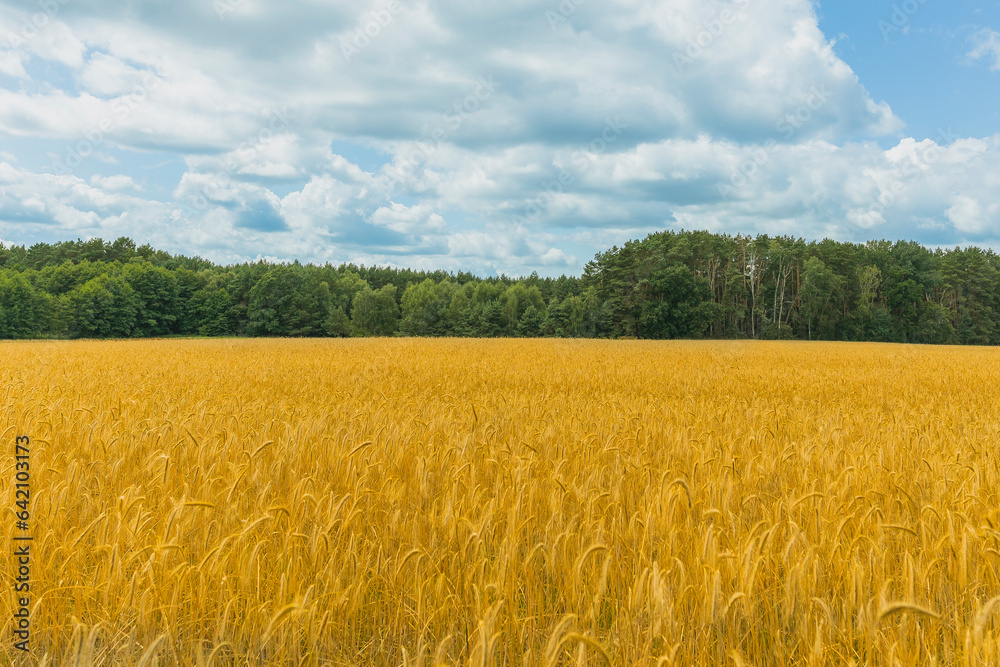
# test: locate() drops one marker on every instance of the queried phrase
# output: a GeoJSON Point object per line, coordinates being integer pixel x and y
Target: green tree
{"type": "Point", "coordinates": [338, 324]}
{"type": "Point", "coordinates": [156, 295]}
{"type": "Point", "coordinates": [349, 284]}
{"type": "Point", "coordinates": [212, 309]}
{"type": "Point", "coordinates": [489, 319]}
{"type": "Point", "coordinates": [289, 301]}
{"type": "Point", "coordinates": [458, 317]}
{"type": "Point", "coordinates": [24, 311]}
{"type": "Point", "coordinates": [103, 307]}
{"type": "Point", "coordinates": [818, 285]}
{"type": "Point", "coordinates": [673, 304]}
{"type": "Point", "coordinates": [375, 312]}
{"type": "Point", "coordinates": [425, 308]}
{"type": "Point", "coordinates": [189, 284]}
{"type": "Point", "coordinates": [530, 324]}
{"type": "Point", "coordinates": [59, 279]}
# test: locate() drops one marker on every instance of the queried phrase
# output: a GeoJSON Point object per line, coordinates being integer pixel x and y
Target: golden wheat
{"type": "Point", "coordinates": [447, 502]}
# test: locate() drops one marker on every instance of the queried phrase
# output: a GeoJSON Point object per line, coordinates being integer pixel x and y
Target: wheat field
{"type": "Point", "coordinates": [507, 502]}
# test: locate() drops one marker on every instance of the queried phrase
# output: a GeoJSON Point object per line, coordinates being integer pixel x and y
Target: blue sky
{"type": "Point", "coordinates": [917, 60]}
{"type": "Point", "coordinates": [495, 137]}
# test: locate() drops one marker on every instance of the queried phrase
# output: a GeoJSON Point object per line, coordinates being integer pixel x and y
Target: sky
{"type": "Point", "coordinates": [495, 137]}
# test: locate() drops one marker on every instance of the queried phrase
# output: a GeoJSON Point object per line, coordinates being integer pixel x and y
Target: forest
{"type": "Point", "coordinates": [687, 284]}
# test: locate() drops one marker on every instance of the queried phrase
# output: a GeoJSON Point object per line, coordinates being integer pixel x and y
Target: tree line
{"type": "Point", "coordinates": [668, 285]}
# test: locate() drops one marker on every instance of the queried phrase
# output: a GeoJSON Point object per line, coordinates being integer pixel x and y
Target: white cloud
{"type": "Point", "coordinates": [106, 75]}
{"type": "Point", "coordinates": [11, 65]}
{"type": "Point", "coordinates": [58, 42]}
{"type": "Point", "coordinates": [113, 183]}
{"type": "Point", "coordinates": [556, 257]}
{"type": "Point", "coordinates": [512, 143]}
{"type": "Point", "coordinates": [972, 217]}
{"type": "Point", "coordinates": [986, 46]}
{"type": "Point", "coordinates": [409, 219]}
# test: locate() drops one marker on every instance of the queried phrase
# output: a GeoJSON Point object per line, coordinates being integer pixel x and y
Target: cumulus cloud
{"type": "Point", "coordinates": [493, 137]}
{"type": "Point", "coordinates": [115, 183]}
{"type": "Point", "coordinates": [107, 75]}
{"type": "Point", "coordinates": [409, 219]}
